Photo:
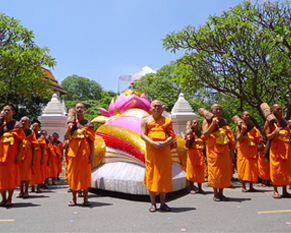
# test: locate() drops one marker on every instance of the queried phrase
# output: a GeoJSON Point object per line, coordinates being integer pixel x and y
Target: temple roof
{"type": "Point", "coordinates": [55, 85]}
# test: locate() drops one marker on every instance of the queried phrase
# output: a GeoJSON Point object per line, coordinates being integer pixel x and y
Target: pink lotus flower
{"type": "Point", "coordinates": [124, 102]}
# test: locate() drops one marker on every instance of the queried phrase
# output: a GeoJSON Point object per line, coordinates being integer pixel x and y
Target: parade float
{"type": "Point", "coordinates": [119, 151]}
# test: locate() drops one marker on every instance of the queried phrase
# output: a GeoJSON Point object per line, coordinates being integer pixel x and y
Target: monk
{"type": "Point", "coordinates": [195, 141]}
{"type": "Point", "coordinates": [37, 175]}
{"type": "Point", "coordinates": [157, 132]}
{"type": "Point", "coordinates": [11, 142]}
{"type": "Point", "coordinates": [280, 159]}
{"type": "Point", "coordinates": [263, 165]}
{"type": "Point", "coordinates": [47, 159]}
{"type": "Point", "coordinates": [59, 151]}
{"type": "Point", "coordinates": [27, 158]}
{"type": "Point", "coordinates": [54, 160]}
{"type": "Point", "coordinates": [219, 148]}
{"type": "Point", "coordinates": [248, 138]}
{"type": "Point", "coordinates": [80, 154]}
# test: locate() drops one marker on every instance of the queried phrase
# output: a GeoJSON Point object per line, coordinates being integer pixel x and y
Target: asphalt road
{"type": "Point", "coordinates": [244, 212]}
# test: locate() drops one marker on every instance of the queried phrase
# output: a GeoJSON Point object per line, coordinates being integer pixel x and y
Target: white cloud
{"type": "Point", "coordinates": [131, 77]}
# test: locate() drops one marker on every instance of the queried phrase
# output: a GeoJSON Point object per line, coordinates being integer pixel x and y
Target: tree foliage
{"type": "Point", "coordinates": [160, 86]}
{"type": "Point", "coordinates": [22, 81]}
{"type": "Point", "coordinates": [80, 89]}
{"type": "Point", "coordinates": [243, 53]}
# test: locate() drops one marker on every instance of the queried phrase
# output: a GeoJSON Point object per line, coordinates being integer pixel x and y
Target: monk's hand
{"type": "Point", "coordinates": [157, 145]}
{"type": "Point", "coordinates": [70, 125]}
{"type": "Point", "coordinates": [277, 130]}
{"type": "Point", "coordinates": [215, 120]}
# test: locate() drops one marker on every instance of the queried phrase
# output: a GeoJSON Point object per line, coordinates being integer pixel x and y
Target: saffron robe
{"type": "Point", "coordinates": [26, 156]}
{"type": "Point", "coordinates": [37, 171]}
{"type": "Point", "coordinates": [195, 159]}
{"type": "Point", "coordinates": [218, 155]}
{"type": "Point", "coordinates": [9, 170]}
{"type": "Point", "coordinates": [263, 165]}
{"type": "Point", "coordinates": [158, 163]}
{"type": "Point", "coordinates": [247, 159]}
{"type": "Point", "coordinates": [78, 156]}
{"type": "Point", "coordinates": [280, 159]}
{"type": "Point", "coordinates": [54, 161]}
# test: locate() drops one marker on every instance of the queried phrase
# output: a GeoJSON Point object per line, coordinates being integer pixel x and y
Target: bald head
{"type": "Point", "coordinates": [25, 122]}
{"type": "Point", "coordinates": [216, 110]}
{"type": "Point", "coordinates": [156, 107]}
{"type": "Point", "coordinates": [277, 111]}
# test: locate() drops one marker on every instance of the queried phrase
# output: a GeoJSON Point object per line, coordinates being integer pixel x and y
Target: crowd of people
{"type": "Point", "coordinates": [31, 158]}
{"type": "Point", "coordinates": [256, 153]}
{"type": "Point", "coordinates": [263, 153]}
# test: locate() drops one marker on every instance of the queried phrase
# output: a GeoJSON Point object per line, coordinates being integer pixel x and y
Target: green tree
{"type": "Point", "coordinates": [79, 88]}
{"type": "Point", "coordinates": [22, 80]}
{"type": "Point", "coordinates": [243, 53]}
{"type": "Point", "coordinates": [160, 86]}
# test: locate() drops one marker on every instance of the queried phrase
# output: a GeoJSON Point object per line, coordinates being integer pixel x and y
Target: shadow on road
{"type": "Point", "coordinates": [22, 205]}
{"type": "Point", "coordinates": [144, 198]}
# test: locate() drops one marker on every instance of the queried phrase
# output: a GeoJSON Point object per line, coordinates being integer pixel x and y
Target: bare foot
{"type": "Point", "coordinates": [244, 190]}
{"type": "Point", "coordinates": [19, 195]}
{"type": "Point", "coordinates": [192, 191]}
{"type": "Point", "coordinates": [276, 195]}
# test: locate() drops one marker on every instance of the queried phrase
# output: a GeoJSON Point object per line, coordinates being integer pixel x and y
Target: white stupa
{"type": "Point", "coordinates": [53, 118]}
{"type": "Point", "coordinates": [181, 113]}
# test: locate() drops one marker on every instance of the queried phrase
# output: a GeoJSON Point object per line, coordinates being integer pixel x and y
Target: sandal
{"type": "Point", "coordinates": [153, 208]}
{"type": "Point", "coordinates": [217, 199]}
{"type": "Point", "coordinates": [72, 203]}
{"type": "Point", "coordinates": [224, 198]}
{"type": "Point", "coordinates": [277, 196]}
{"type": "Point", "coordinates": [165, 208]}
{"type": "Point", "coordinates": [86, 203]}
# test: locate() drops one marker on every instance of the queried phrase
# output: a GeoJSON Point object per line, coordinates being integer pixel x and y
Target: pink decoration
{"type": "Point", "coordinates": [132, 123]}
{"type": "Point", "coordinates": [124, 102]}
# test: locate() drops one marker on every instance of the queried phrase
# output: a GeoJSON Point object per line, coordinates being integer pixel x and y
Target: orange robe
{"type": "Point", "coordinates": [9, 170]}
{"type": "Point", "coordinates": [218, 157]}
{"type": "Point", "coordinates": [54, 161]}
{"type": "Point", "coordinates": [78, 155]}
{"type": "Point", "coordinates": [46, 168]}
{"type": "Point", "coordinates": [158, 163]}
{"type": "Point", "coordinates": [195, 161]}
{"type": "Point", "coordinates": [58, 149]}
{"type": "Point", "coordinates": [280, 159]}
{"type": "Point", "coordinates": [247, 162]}
{"type": "Point", "coordinates": [263, 165]}
{"type": "Point", "coordinates": [26, 158]}
{"type": "Point", "coordinates": [37, 171]}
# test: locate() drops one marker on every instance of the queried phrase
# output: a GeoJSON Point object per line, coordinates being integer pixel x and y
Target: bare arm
{"type": "Point", "coordinates": [239, 132]}
{"type": "Point", "coordinates": [270, 135]}
{"type": "Point", "coordinates": [68, 130]}
{"type": "Point", "coordinates": [207, 130]}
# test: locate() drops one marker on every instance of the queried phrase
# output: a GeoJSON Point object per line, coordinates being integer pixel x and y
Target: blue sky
{"type": "Point", "coordinates": [102, 40]}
